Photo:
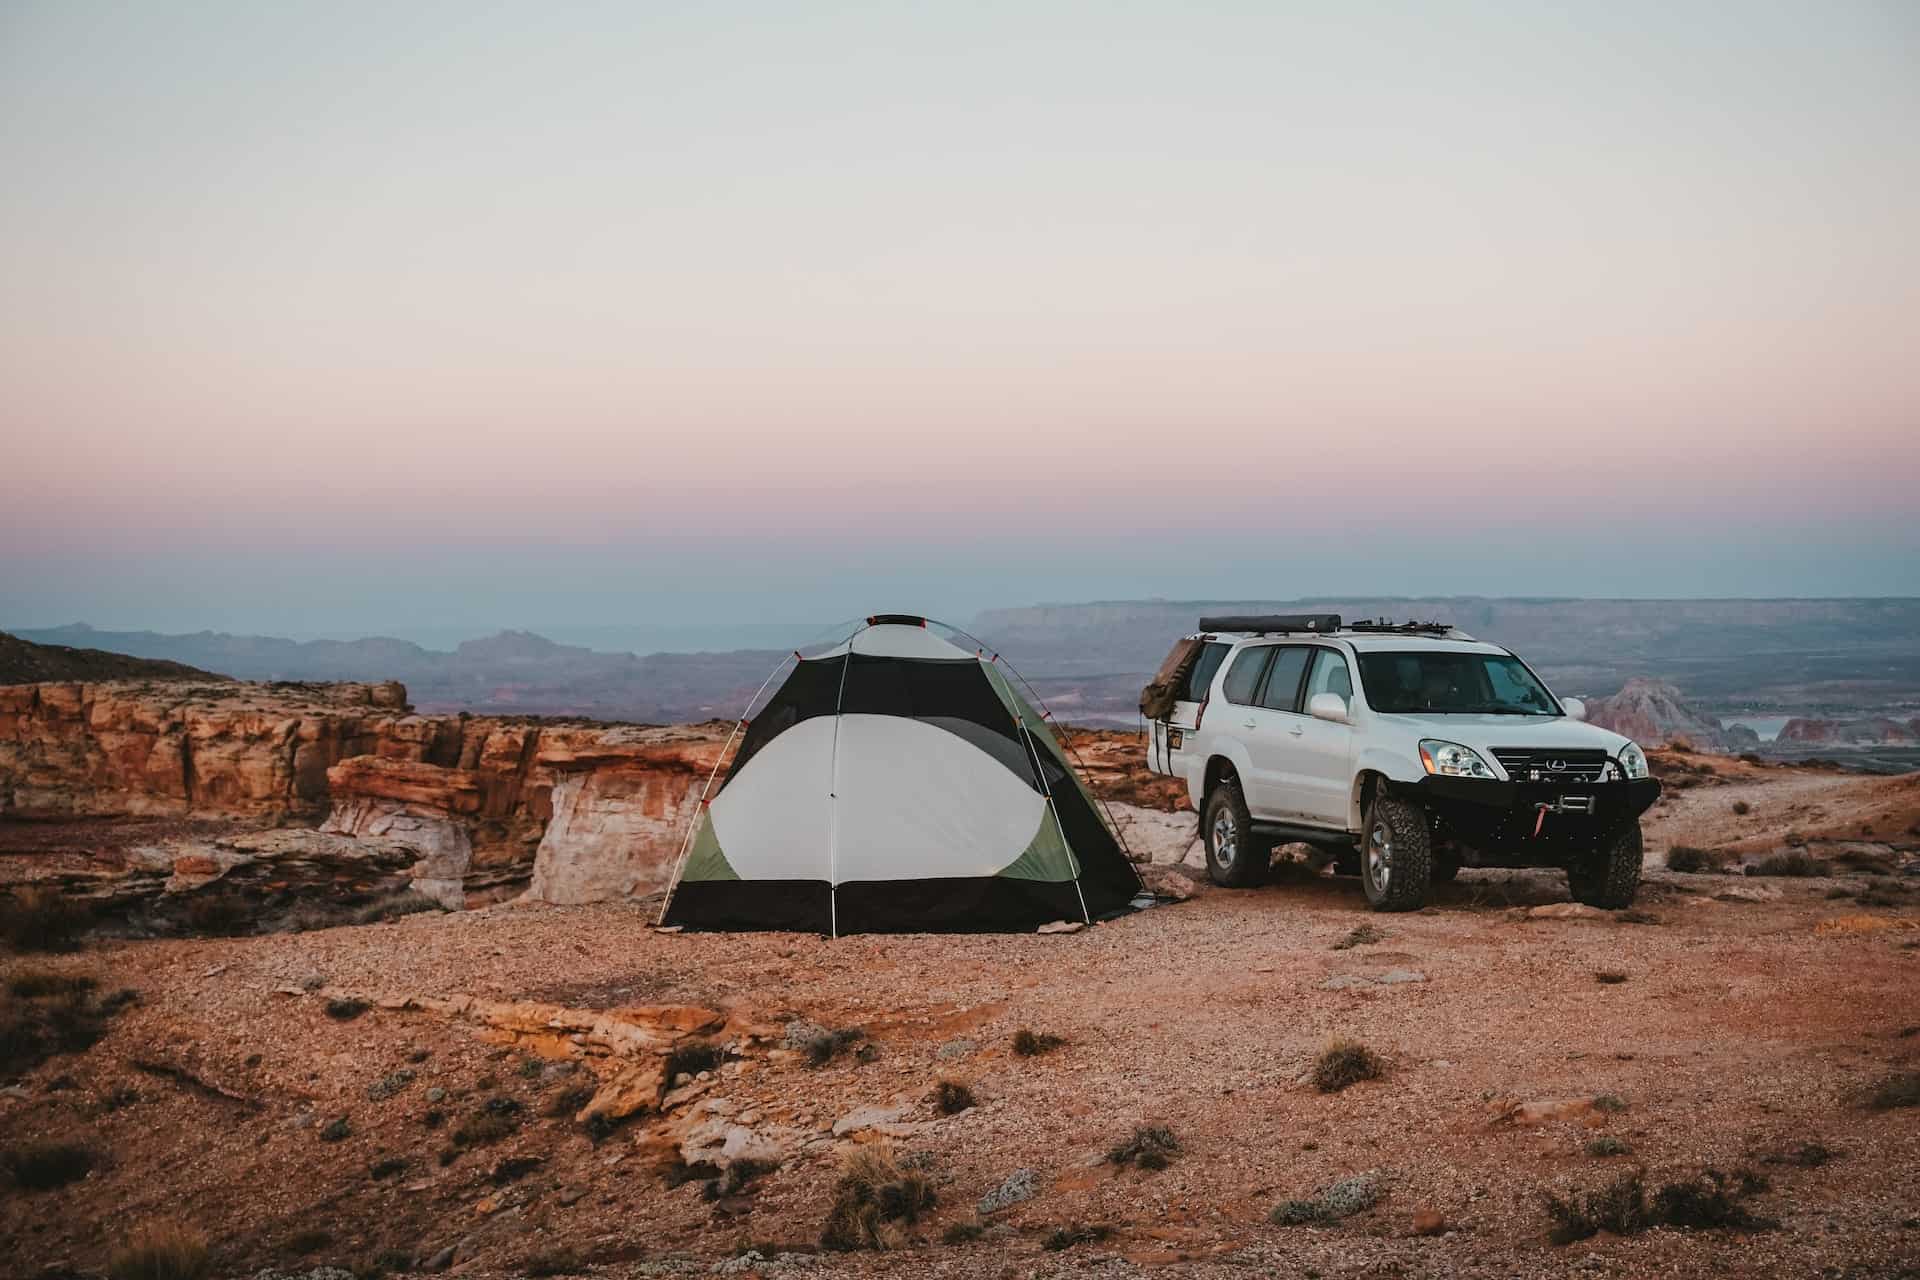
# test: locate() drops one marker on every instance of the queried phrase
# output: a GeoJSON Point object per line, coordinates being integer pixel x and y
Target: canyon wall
{"type": "Point", "coordinates": [586, 810]}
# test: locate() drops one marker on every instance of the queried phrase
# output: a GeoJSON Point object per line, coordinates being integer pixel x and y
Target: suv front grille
{"type": "Point", "coordinates": [1530, 764]}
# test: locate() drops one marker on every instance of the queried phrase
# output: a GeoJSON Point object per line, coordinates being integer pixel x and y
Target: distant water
{"type": "Point", "coordinates": [1768, 727]}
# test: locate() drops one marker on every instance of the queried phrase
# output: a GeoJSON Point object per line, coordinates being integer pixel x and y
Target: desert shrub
{"type": "Point", "coordinates": [1794, 862]}
{"type": "Point", "coordinates": [346, 1008]}
{"type": "Point", "coordinates": [1624, 1207]}
{"type": "Point", "coordinates": [1607, 1145]}
{"type": "Point", "coordinates": [569, 1101]}
{"type": "Point", "coordinates": [35, 984]}
{"type": "Point", "coordinates": [1028, 1043]}
{"type": "Point", "coordinates": [1150, 1146]}
{"type": "Point", "coordinates": [1345, 1062]}
{"type": "Point", "coordinates": [828, 1045]}
{"type": "Point", "coordinates": [1610, 1102]}
{"type": "Point", "coordinates": [1804, 1155]}
{"type": "Point", "coordinates": [1688, 858]}
{"type": "Point", "coordinates": [1609, 977]}
{"type": "Point", "coordinates": [951, 1097]}
{"type": "Point", "coordinates": [554, 1262]}
{"type": "Point", "coordinates": [41, 919]}
{"type": "Point", "coordinates": [738, 1176]}
{"type": "Point", "coordinates": [405, 903]}
{"type": "Point", "coordinates": [1741, 807]}
{"type": "Point", "coordinates": [1067, 1237]}
{"type": "Point", "coordinates": [338, 1129]}
{"type": "Point", "coordinates": [1341, 1200]}
{"type": "Point", "coordinates": [692, 1059]}
{"type": "Point", "coordinates": [160, 1251]}
{"type": "Point", "coordinates": [1896, 1091]}
{"type": "Point", "coordinates": [301, 1243]}
{"type": "Point", "coordinates": [391, 1167]}
{"type": "Point", "coordinates": [485, 1128]}
{"type": "Point", "coordinates": [65, 1020]}
{"type": "Point", "coordinates": [1361, 936]}
{"type": "Point", "coordinates": [43, 1166]}
{"type": "Point", "coordinates": [962, 1233]}
{"type": "Point", "coordinates": [873, 1195]}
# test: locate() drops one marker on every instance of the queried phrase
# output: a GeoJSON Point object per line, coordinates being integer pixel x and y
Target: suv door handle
{"type": "Point", "coordinates": [1250, 724]}
{"type": "Point", "coordinates": [1296, 731]}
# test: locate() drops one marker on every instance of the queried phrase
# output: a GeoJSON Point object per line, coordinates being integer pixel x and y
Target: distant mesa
{"type": "Point", "coordinates": [24, 662]}
{"type": "Point", "coordinates": [1868, 731]}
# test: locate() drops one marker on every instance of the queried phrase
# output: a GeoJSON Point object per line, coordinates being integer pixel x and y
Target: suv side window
{"type": "Point", "coordinates": [1243, 677]}
{"type": "Point", "coordinates": [1330, 675]}
{"type": "Point", "coordinates": [1283, 682]}
{"type": "Point", "coordinates": [1200, 681]}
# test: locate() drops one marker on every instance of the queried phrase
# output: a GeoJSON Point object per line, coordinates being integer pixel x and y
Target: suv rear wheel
{"type": "Point", "coordinates": [1610, 877]}
{"type": "Point", "coordinates": [1234, 857]}
{"type": "Point", "coordinates": [1396, 855]}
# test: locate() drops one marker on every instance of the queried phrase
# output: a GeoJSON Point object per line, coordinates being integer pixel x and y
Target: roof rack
{"type": "Point", "coordinates": [1270, 622]}
{"type": "Point", "coordinates": [1382, 626]}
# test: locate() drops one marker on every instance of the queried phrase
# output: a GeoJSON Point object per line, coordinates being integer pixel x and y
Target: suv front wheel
{"type": "Point", "coordinates": [1396, 855]}
{"type": "Point", "coordinates": [1610, 877]}
{"type": "Point", "coordinates": [1234, 858]}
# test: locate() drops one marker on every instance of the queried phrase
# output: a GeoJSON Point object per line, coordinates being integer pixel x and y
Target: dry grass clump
{"type": "Point", "coordinates": [951, 1097]}
{"type": "Point", "coordinates": [1346, 1062]}
{"type": "Point", "coordinates": [47, 1014]}
{"type": "Point", "coordinates": [1066, 1237]}
{"type": "Point", "coordinates": [1028, 1043]}
{"type": "Point", "coordinates": [1624, 1207]}
{"type": "Point", "coordinates": [554, 1262]}
{"type": "Point", "coordinates": [43, 1166]}
{"type": "Point", "coordinates": [1609, 977]}
{"type": "Point", "coordinates": [486, 1128]}
{"type": "Point", "coordinates": [346, 1008]}
{"type": "Point", "coordinates": [1794, 862]}
{"type": "Point", "coordinates": [1151, 1146]}
{"type": "Point", "coordinates": [42, 919]}
{"type": "Point", "coordinates": [828, 1045]}
{"type": "Point", "coordinates": [692, 1059]}
{"type": "Point", "coordinates": [1896, 1091]}
{"type": "Point", "coordinates": [161, 1251]}
{"type": "Point", "coordinates": [1608, 1145]}
{"type": "Point", "coordinates": [1741, 807]}
{"type": "Point", "coordinates": [873, 1197]}
{"type": "Point", "coordinates": [738, 1176]}
{"type": "Point", "coordinates": [1689, 858]}
{"type": "Point", "coordinates": [1341, 1200]}
{"type": "Point", "coordinates": [1361, 936]}
{"type": "Point", "coordinates": [962, 1233]}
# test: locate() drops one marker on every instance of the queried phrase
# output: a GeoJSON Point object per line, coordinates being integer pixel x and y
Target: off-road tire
{"type": "Point", "coordinates": [1244, 864]}
{"type": "Point", "coordinates": [1405, 859]}
{"type": "Point", "coordinates": [1610, 877]}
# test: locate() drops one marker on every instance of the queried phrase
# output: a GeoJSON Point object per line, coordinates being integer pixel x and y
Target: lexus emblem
{"type": "Point", "coordinates": [1556, 765]}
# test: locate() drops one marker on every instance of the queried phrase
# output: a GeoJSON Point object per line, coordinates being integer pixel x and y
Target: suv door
{"type": "Point", "coordinates": [1266, 728]}
{"type": "Point", "coordinates": [1319, 763]}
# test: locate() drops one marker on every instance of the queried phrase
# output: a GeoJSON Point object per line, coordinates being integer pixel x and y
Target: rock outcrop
{"type": "Point", "coordinates": [589, 810]}
{"type": "Point", "coordinates": [1872, 731]}
{"type": "Point", "coordinates": [1652, 713]}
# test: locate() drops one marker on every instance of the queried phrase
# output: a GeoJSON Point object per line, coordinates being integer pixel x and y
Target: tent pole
{"type": "Point", "coordinates": [833, 795]}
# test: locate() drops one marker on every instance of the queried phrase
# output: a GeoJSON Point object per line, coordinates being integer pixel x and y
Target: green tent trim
{"type": "Point", "coordinates": [705, 861]}
{"type": "Point", "coordinates": [1046, 857]}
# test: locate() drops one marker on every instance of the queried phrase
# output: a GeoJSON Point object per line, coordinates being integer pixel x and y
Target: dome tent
{"type": "Point", "coordinates": [897, 782]}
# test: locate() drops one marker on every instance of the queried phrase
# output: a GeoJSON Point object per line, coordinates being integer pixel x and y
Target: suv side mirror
{"type": "Point", "coordinates": [1328, 706]}
{"type": "Point", "coordinates": [1576, 708]}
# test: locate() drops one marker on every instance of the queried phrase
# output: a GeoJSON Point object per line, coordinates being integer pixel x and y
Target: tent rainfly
{"type": "Point", "coordinates": [898, 783]}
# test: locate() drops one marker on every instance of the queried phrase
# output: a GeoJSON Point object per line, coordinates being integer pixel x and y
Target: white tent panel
{"type": "Point", "coordinates": [897, 640]}
{"type": "Point", "coordinates": [772, 820]}
{"type": "Point", "coordinates": [917, 802]}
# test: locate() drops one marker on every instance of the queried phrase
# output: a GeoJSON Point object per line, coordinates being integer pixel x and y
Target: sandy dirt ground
{"type": "Point", "coordinates": [1726, 1030]}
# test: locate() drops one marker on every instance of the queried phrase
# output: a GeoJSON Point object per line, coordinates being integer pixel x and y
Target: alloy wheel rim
{"type": "Point", "coordinates": [1225, 843]}
{"type": "Point", "coordinates": [1380, 856]}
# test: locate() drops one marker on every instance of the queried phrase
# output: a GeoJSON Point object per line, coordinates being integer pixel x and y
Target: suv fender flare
{"type": "Point", "coordinates": [1228, 760]}
{"type": "Point", "coordinates": [1376, 768]}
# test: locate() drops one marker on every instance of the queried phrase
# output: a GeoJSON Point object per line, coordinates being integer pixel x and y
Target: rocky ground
{"type": "Point", "coordinates": [486, 1093]}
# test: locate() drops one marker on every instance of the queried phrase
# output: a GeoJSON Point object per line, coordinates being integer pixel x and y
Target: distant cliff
{"type": "Point", "coordinates": [1871, 731]}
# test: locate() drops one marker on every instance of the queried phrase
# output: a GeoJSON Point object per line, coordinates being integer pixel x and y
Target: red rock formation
{"type": "Point", "coordinates": [1871, 731]}
{"type": "Point", "coordinates": [1652, 713]}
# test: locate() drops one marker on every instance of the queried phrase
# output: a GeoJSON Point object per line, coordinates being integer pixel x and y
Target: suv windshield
{"type": "Point", "coordinates": [1453, 683]}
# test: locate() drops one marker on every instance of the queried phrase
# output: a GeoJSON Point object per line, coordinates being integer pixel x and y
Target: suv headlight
{"type": "Point", "coordinates": [1634, 759]}
{"type": "Point", "coordinates": [1452, 760]}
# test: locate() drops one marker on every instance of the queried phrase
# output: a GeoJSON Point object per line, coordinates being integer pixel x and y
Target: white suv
{"type": "Point", "coordinates": [1406, 750]}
